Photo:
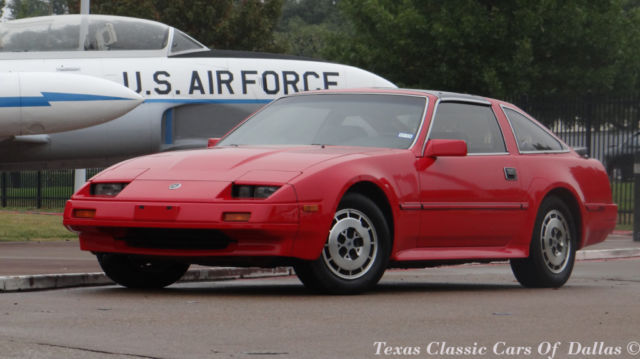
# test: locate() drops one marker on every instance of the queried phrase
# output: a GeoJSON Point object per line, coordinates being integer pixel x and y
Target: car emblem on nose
{"type": "Point", "coordinates": [175, 186]}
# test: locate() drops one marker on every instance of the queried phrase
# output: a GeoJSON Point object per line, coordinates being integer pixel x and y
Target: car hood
{"type": "Point", "coordinates": [251, 164]}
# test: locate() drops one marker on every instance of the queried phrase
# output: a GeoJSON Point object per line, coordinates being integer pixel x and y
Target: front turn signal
{"type": "Point", "coordinates": [84, 213]}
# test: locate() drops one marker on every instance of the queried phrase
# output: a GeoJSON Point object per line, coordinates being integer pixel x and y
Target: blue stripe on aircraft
{"type": "Point", "coordinates": [48, 97]}
{"type": "Point", "coordinates": [222, 101]}
{"type": "Point", "coordinates": [63, 97]}
{"type": "Point", "coordinates": [17, 101]}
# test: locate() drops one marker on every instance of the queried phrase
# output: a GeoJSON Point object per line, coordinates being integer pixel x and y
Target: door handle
{"type": "Point", "coordinates": [510, 174]}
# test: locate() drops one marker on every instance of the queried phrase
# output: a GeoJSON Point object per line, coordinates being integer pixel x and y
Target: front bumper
{"type": "Point", "coordinates": [270, 231]}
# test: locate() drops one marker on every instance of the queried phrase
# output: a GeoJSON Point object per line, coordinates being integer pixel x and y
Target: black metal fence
{"type": "Point", "coordinates": [47, 189]}
{"type": "Point", "coordinates": [606, 126]}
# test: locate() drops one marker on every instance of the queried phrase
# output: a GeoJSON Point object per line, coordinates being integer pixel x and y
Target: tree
{"type": "Point", "coordinates": [29, 8]}
{"type": "Point", "coordinates": [494, 47]}
{"type": "Point", "coordinates": [306, 25]}
{"type": "Point", "coordinates": [226, 24]}
{"type": "Point", "coordinates": [311, 12]}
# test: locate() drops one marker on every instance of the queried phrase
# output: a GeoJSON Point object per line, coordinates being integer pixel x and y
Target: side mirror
{"type": "Point", "coordinates": [446, 148]}
{"type": "Point", "coordinates": [582, 151]}
{"type": "Point", "coordinates": [212, 142]}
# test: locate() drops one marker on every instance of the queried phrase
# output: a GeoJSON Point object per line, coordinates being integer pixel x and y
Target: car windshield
{"type": "Point", "coordinates": [369, 120]}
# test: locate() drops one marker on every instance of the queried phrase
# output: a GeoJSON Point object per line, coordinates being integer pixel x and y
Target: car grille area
{"type": "Point", "coordinates": [170, 238]}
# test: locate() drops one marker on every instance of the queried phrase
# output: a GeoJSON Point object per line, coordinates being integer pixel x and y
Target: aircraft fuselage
{"type": "Point", "coordinates": [190, 93]}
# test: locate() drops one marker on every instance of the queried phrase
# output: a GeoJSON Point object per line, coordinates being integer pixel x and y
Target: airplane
{"type": "Point", "coordinates": [180, 92]}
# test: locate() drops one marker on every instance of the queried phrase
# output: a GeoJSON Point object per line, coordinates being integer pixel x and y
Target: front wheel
{"type": "Point", "coordinates": [140, 272]}
{"type": "Point", "coordinates": [356, 252]}
{"type": "Point", "coordinates": [552, 250]}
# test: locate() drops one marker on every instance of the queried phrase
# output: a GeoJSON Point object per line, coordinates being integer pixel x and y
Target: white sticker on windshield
{"type": "Point", "coordinates": [405, 135]}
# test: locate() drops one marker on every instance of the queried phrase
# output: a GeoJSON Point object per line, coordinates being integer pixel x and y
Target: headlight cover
{"type": "Point", "coordinates": [107, 189]}
{"type": "Point", "coordinates": [252, 191]}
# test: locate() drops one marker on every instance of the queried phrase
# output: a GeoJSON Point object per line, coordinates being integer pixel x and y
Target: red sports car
{"type": "Point", "coordinates": [342, 185]}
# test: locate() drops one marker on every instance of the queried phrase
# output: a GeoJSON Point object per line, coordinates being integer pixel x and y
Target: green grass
{"type": "Point", "coordinates": [624, 227]}
{"type": "Point", "coordinates": [26, 226]}
{"type": "Point", "coordinates": [29, 210]}
{"type": "Point", "coordinates": [47, 191]}
{"type": "Point", "coordinates": [622, 193]}
{"type": "Point", "coordinates": [623, 196]}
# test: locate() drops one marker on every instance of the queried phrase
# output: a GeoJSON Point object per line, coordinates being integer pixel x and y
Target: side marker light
{"type": "Point", "coordinates": [236, 216]}
{"type": "Point", "coordinates": [310, 208]}
{"type": "Point", "coordinates": [84, 213]}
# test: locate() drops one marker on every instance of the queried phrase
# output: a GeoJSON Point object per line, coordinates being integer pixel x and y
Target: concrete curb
{"type": "Point", "coordinates": [58, 281]}
{"type": "Point", "coordinates": [593, 254]}
{"type": "Point", "coordinates": [72, 280]}
{"type": "Point", "coordinates": [51, 281]}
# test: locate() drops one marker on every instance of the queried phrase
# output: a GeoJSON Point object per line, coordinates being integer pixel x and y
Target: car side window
{"type": "Point", "coordinates": [475, 124]}
{"type": "Point", "coordinates": [530, 136]}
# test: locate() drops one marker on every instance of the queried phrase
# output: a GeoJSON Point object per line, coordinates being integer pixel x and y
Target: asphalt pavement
{"type": "Point", "coordinates": [50, 265]}
{"type": "Point", "coordinates": [420, 313]}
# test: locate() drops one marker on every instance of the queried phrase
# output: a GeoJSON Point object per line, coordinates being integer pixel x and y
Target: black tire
{"type": "Point", "coordinates": [139, 272]}
{"type": "Point", "coordinates": [356, 252]}
{"type": "Point", "coordinates": [552, 251]}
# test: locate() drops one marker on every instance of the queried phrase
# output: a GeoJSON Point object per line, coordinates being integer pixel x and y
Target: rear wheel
{"type": "Point", "coordinates": [356, 252]}
{"type": "Point", "coordinates": [552, 250]}
{"type": "Point", "coordinates": [140, 272]}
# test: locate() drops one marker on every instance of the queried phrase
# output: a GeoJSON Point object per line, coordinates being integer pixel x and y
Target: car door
{"type": "Point", "coordinates": [474, 200]}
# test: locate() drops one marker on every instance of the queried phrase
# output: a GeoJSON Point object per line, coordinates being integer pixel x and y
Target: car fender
{"type": "Point", "coordinates": [340, 177]}
{"type": "Point", "coordinates": [585, 182]}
